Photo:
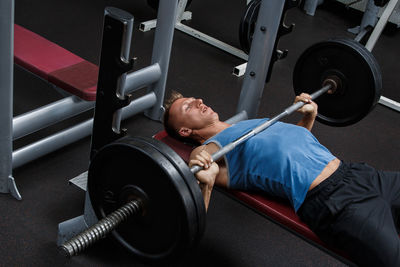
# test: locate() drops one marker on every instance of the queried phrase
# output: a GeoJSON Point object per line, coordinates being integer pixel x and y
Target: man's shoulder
{"type": "Point", "coordinates": [211, 148]}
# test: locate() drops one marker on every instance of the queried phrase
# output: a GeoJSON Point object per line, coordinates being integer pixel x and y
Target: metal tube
{"type": "Point", "coordinates": [42, 117]}
{"type": "Point", "coordinates": [7, 183]}
{"type": "Point", "coordinates": [51, 143]}
{"type": "Point", "coordinates": [261, 50]}
{"type": "Point", "coordinates": [141, 78]}
{"type": "Point", "coordinates": [166, 19]}
{"type": "Point", "coordinates": [181, 9]}
{"type": "Point", "coordinates": [138, 105]}
{"type": "Point", "coordinates": [229, 147]}
{"type": "Point", "coordinates": [212, 41]}
{"type": "Point", "coordinates": [73, 134]}
{"type": "Point", "coordinates": [380, 25]}
{"type": "Point", "coordinates": [389, 103]}
{"type": "Point", "coordinates": [370, 16]}
{"type": "Point", "coordinates": [6, 91]}
{"type": "Point", "coordinates": [311, 5]}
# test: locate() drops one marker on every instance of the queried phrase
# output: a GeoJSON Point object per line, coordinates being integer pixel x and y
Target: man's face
{"type": "Point", "coordinates": [191, 113]}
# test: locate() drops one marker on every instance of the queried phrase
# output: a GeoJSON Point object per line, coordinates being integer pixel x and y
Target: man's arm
{"type": "Point", "coordinates": [309, 110]}
{"type": "Point", "coordinates": [212, 172]}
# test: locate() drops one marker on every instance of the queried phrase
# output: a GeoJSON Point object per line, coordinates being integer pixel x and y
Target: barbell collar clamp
{"type": "Point", "coordinates": [334, 82]}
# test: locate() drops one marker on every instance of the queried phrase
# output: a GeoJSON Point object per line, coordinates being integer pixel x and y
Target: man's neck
{"type": "Point", "coordinates": [208, 132]}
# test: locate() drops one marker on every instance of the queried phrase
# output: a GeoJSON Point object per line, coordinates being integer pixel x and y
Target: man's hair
{"type": "Point", "coordinates": [171, 131]}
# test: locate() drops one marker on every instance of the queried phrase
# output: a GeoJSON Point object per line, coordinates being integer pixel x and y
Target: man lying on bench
{"type": "Point", "coordinates": [348, 205]}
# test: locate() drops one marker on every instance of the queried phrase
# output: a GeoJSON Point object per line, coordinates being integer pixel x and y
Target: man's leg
{"type": "Point", "coordinates": [389, 183]}
{"type": "Point", "coordinates": [367, 232]}
{"type": "Point", "coordinates": [391, 192]}
{"type": "Point", "coordinates": [353, 212]}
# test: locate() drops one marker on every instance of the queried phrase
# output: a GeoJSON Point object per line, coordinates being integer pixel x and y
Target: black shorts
{"type": "Point", "coordinates": [354, 210]}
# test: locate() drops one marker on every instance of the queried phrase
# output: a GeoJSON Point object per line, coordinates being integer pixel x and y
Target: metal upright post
{"type": "Point", "coordinates": [262, 46]}
{"type": "Point", "coordinates": [7, 183]}
{"type": "Point", "coordinates": [369, 18]}
{"type": "Point", "coordinates": [166, 19]}
{"type": "Point", "coordinates": [311, 5]}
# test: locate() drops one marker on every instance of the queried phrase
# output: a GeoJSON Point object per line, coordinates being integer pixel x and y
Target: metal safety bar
{"type": "Point", "coordinates": [56, 141]}
{"type": "Point", "coordinates": [135, 81]}
{"type": "Point", "coordinates": [47, 115]}
{"type": "Point", "coordinates": [141, 78]}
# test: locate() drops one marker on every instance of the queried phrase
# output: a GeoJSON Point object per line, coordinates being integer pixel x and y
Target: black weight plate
{"type": "Point", "coordinates": [354, 65]}
{"type": "Point", "coordinates": [154, 3]}
{"type": "Point", "coordinates": [247, 25]}
{"type": "Point", "coordinates": [169, 226]}
{"type": "Point", "coordinates": [189, 178]}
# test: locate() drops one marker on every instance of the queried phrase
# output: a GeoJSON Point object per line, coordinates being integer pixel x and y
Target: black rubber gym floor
{"type": "Point", "coordinates": [235, 234]}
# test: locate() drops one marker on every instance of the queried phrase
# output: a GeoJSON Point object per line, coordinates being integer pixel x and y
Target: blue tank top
{"type": "Point", "coordinates": [282, 160]}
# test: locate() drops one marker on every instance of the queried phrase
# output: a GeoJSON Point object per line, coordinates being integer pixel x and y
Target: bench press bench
{"type": "Point", "coordinates": [276, 209]}
{"type": "Point", "coordinates": [74, 77]}
{"type": "Point", "coordinates": [55, 64]}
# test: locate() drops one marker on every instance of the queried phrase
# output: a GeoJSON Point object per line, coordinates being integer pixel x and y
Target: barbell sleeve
{"type": "Point", "coordinates": [229, 147]}
{"type": "Point", "coordinates": [99, 230]}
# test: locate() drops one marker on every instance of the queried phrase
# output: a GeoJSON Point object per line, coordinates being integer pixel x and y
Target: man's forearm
{"type": "Point", "coordinates": [206, 191]}
{"type": "Point", "coordinates": [307, 121]}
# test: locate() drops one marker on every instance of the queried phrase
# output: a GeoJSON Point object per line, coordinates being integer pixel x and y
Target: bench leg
{"type": "Point", "coordinates": [7, 183]}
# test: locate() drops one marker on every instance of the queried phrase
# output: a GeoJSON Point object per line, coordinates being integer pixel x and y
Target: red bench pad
{"type": "Point", "coordinates": [79, 79]}
{"type": "Point", "coordinates": [45, 59]}
{"type": "Point", "coordinates": [277, 209]}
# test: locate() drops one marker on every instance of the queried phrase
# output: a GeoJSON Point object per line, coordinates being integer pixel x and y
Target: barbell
{"type": "Point", "coordinates": [149, 199]}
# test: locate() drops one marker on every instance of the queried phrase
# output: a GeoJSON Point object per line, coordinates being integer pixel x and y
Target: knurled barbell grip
{"type": "Point", "coordinates": [99, 230]}
{"type": "Point", "coordinates": [220, 153]}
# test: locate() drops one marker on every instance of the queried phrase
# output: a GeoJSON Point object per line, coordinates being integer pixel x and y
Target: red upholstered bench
{"type": "Point", "coordinates": [277, 209]}
{"type": "Point", "coordinates": [55, 64]}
